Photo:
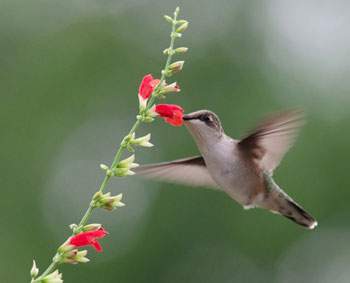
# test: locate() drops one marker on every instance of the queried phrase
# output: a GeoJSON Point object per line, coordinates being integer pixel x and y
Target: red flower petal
{"type": "Point", "coordinates": [153, 83]}
{"type": "Point", "coordinates": [176, 119]}
{"type": "Point", "coordinates": [97, 246]}
{"type": "Point", "coordinates": [88, 239]}
{"type": "Point", "coordinates": [171, 113]}
{"type": "Point", "coordinates": [146, 89]}
{"type": "Point", "coordinates": [147, 86]}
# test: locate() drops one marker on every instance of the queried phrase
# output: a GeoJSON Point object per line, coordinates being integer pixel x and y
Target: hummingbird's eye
{"type": "Point", "coordinates": [205, 118]}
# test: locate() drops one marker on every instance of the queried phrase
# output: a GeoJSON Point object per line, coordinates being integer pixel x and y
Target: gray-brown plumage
{"type": "Point", "coordinates": [241, 168]}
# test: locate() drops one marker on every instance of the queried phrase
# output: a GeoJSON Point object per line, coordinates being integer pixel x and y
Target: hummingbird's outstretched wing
{"type": "Point", "coordinates": [272, 139]}
{"type": "Point", "coordinates": [188, 171]}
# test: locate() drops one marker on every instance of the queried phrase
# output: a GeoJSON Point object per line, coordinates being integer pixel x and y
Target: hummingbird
{"type": "Point", "coordinates": [241, 168]}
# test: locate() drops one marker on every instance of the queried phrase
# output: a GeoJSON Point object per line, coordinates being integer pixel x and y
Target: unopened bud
{"type": "Point", "coordinates": [122, 172]}
{"type": "Point", "coordinates": [119, 204]}
{"type": "Point", "coordinates": [91, 227]}
{"type": "Point", "coordinates": [177, 10]}
{"type": "Point", "coordinates": [80, 256]}
{"type": "Point", "coordinates": [65, 247]}
{"type": "Point", "coordinates": [169, 19]}
{"type": "Point", "coordinates": [143, 141]}
{"type": "Point", "coordinates": [97, 195]}
{"type": "Point", "coordinates": [175, 34]}
{"type": "Point", "coordinates": [182, 27]}
{"type": "Point", "coordinates": [125, 163]}
{"type": "Point", "coordinates": [34, 271]}
{"type": "Point", "coordinates": [142, 103]}
{"type": "Point", "coordinates": [152, 112]}
{"type": "Point", "coordinates": [181, 22]}
{"type": "Point", "coordinates": [171, 88]}
{"type": "Point", "coordinates": [111, 203]}
{"type": "Point", "coordinates": [104, 167]}
{"type": "Point", "coordinates": [181, 50]}
{"type": "Point", "coordinates": [53, 277]}
{"type": "Point", "coordinates": [177, 66]}
{"type": "Point", "coordinates": [74, 256]}
{"type": "Point", "coordinates": [148, 119]}
{"type": "Point", "coordinates": [167, 73]}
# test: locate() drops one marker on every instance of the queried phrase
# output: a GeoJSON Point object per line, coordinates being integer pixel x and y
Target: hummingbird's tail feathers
{"type": "Point", "coordinates": [296, 213]}
{"type": "Point", "coordinates": [291, 210]}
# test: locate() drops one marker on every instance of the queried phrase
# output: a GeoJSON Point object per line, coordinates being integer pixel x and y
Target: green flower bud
{"type": "Point", "coordinates": [142, 103]}
{"type": "Point", "coordinates": [148, 119]}
{"type": "Point", "coordinates": [122, 172]}
{"type": "Point", "coordinates": [34, 271]}
{"type": "Point", "coordinates": [181, 50]}
{"type": "Point", "coordinates": [181, 22]}
{"type": "Point", "coordinates": [169, 19]}
{"type": "Point", "coordinates": [91, 227]}
{"type": "Point", "coordinates": [74, 256]}
{"type": "Point", "coordinates": [119, 204]}
{"type": "Point", "coordinates": [96, 196]}
{"type": "Point", "coordinates": [111, 203]}
{"type": "Point", "coordinates": [175, 34]}
{"type": "Point", "coordinates": [125, 163]}
{"type": "Point", "coordinates": [167, 73]}
{"type": "Point", "coordinates": [143, 141]}
{"type": "Point", "coordinates": [177, 66]}
{"type": "Point", "coordinates": [104, 167]}
{"type": "Point", "coordinates": [80, 256]}
{"type": "Point", "coordinates": [182, 27]}
{"type": "Point", "coordinates": [66, 246]}
{"type": "Point", "coordinates": [53, 277]}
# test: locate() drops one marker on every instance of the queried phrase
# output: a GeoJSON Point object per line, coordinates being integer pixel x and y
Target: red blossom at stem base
{"type": "Point", "coordinates": [88, 239]}
{"type": "Point", "coordinates": [173, 114]}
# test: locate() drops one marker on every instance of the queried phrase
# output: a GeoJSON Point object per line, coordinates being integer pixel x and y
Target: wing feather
{"type": "Point", "coordinates": [272, 139]}
{"type": "Point", "coordinates": [189, 171]}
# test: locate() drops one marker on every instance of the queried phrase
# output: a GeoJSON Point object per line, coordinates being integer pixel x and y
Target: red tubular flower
{"type": "Point", "coordinates": [147, 86]}
{"type": "Point", "coordinates": [173, 114]}
{"type": "Point", "coordinates": [88, 239]}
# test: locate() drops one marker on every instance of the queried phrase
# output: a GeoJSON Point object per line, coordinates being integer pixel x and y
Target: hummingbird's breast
{"type": "Point", "coordinates": [233, 174]}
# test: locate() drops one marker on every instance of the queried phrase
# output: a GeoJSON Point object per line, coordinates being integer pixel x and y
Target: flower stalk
{"type": "Point", "coordinates": [150, 90]}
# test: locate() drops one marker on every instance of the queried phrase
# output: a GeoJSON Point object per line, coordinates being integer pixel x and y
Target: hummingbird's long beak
{"type": "Point", "coordinates": [186, 117]}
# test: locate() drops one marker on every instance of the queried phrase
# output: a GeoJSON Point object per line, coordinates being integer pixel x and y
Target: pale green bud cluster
{"type": "Point", "coordinates": [178, 27]}
{"type": "Point", "coordinates": [75, 256]}
{"type": "Point", "coordinates": [145, 118]}
{"type": "Point", "coordinates": [108, 202]}
{"type": "Point", "coordinates": [54, 277]}
{"type": "Point", "coordinates": [142, 141]}
{"type": "Point", "coordinates": [123, 167]}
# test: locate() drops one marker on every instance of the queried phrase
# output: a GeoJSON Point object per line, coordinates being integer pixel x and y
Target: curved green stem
{"type": "Point", "coordinates": [119, 153]}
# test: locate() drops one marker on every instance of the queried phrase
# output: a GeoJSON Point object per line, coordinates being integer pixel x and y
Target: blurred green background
{"type": "Point", "coordinates": [69, 75]}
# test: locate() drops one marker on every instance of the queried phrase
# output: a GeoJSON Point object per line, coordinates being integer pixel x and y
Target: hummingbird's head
{"type": "Point", "coordinates": [203, 124]}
